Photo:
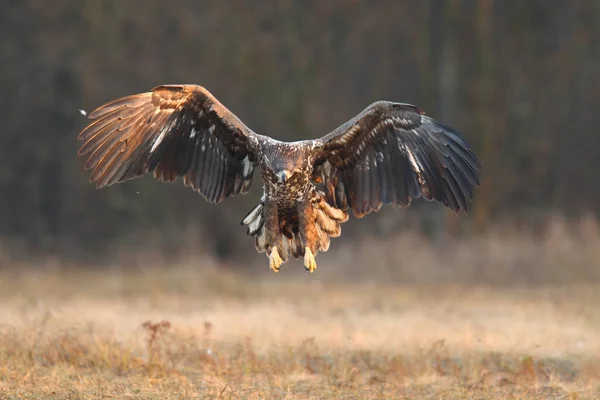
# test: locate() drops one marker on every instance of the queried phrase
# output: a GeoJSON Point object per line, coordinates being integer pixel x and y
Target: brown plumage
{"type": "Point", "coordinates": [390, 153]}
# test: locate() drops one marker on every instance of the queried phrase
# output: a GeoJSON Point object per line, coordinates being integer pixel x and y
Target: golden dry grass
{"type": "Point", "coordinates": [179, 333]}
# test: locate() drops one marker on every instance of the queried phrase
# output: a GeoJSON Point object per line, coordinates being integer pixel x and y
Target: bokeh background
{"type": "Point", "coordinates": [519, 78]}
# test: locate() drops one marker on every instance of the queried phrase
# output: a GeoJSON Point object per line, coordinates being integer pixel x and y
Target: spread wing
{"type": "Point", "coordinates": [391, 153]}
{"type": "Point", "coordinates": [172, 131]}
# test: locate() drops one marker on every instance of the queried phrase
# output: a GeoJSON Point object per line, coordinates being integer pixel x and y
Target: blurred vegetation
{"type": "Point", "coordinates": [520, 79]}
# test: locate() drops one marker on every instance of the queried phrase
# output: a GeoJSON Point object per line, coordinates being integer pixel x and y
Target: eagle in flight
{"type": "Point", "coordinates": [389, 153]}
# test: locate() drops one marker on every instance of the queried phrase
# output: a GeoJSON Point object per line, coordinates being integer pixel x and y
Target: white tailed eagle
{"type": "Point", "coordinates": [389, 153]}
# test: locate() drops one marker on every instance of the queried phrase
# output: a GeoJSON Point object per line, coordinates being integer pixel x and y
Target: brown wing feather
{"type": "Point", "coordinates": [172, 131]}
{"type": "Point", "coordinates": [392, 153]}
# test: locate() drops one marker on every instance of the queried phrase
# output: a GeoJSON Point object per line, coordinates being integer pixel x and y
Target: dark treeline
{"type": "Point", "coordinates": [519, 78]}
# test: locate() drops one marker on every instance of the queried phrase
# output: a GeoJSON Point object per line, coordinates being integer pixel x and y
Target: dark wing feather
{"type": "Point", "coordinates": [392, 153]}
{"type": "Point", "coordinates": [172, 131]}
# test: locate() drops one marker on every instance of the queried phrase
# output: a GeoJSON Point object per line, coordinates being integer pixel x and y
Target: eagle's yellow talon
{"type": "Point", "coordinates": [309, 260]}
{"type": "Point", "coordinates": [275, 260]}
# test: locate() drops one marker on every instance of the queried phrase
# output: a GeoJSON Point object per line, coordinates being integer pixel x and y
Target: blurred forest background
{"type": "Point", "coordinates": [520, 79]}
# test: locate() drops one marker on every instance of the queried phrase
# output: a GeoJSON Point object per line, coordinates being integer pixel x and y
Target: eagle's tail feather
{"type": "Point", "coordinates": [286, 247]}
{"type": "Point", "coordinates": [290, 248]}
{"type": "Point", "coordinates": [296, 247]}
{"type": "Point", "coordinates": [254, 221]}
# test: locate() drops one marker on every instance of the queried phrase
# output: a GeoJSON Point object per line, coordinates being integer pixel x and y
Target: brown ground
{"type": "Point", "coordinates": [184, 334]}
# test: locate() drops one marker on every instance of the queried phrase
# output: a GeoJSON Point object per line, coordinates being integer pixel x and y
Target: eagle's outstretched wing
{"type": "Point", "coordinates": [391, 153]}
{"type": "Point", "coordinates": [171, 131]}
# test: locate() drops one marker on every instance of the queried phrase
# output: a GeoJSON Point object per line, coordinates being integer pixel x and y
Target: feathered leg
{"type": "Point", "coordinates": [309, 234]}
{"type": "Point", "coordinates": [272, 233]}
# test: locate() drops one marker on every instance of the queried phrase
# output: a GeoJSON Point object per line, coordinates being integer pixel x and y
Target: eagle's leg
{"type": "Point", "coordinates": [309, 260]}
{"type": "Point", "coordinates": [275, 260]}
{"type": "Point", "coordinates": [308, 232]}
{"type": "Point", "coordinates": [271, 227]}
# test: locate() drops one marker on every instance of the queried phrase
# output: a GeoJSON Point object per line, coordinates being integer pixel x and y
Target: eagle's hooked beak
{"type": "Point", "coordinates": [284, 175]}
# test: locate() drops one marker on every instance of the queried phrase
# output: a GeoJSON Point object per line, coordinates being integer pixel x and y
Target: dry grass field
{"type": "Point", "coordinates": [179, 333]}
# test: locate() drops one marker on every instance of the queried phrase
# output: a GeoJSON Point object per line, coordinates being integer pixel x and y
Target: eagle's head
{"type": "Point", "coordinates": [289, 162]}
{"type": "Point", "coordinates": [283, 168]}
